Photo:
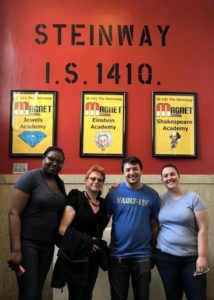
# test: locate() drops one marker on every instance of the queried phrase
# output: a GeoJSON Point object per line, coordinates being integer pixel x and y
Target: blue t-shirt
{"type": "Point", "coordinates": [178, 229]}
{"type": "Point", "coordinates": [131, 212]}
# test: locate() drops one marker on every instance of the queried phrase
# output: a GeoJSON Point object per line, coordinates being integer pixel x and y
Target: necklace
{"type": "Point", "coordinates": [95, 203]}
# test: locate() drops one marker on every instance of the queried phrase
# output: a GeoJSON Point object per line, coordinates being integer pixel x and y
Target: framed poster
{"type": "Point", "coordinates": [174, 124]}
{"type": "Point", "coordinates": [32, 122]}
{"type": "Point", "coordinates": [103, 124]}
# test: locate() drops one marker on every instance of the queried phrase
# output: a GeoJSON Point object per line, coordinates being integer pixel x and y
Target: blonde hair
{"type": "Point", "coordinates": [97, 169]}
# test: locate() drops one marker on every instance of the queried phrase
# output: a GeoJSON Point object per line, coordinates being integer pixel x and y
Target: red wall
{"type": "Point", "coordinates": [184, 64]}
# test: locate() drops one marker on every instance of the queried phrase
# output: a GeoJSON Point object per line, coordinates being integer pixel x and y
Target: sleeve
{"type": "Point", "coordinates": [72, 199]}
{"type": "Point", "coordinates": [26, 183]}
{"type": "Point", "coordinates": [155, 206]}
{"type": "Point", "coordinates": [198, 204]}
{"type": "Point", "coordinates": [108, 204]}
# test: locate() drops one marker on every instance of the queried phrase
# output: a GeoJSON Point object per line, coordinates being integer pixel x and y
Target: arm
{"type": "Point", "coordinates": [203, 224]}
{"type": "Point", "coordinates": [67, 218]}
{"type": "Point", "coordinates": [19, 201]}
{"type": "Point", "coordinates": [108, 204]}
{"type": "Point", "coordinates": [155, 230]}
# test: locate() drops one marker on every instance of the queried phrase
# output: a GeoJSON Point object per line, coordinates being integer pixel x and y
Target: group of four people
{"type": "Point", "coordinates": [171, 232]}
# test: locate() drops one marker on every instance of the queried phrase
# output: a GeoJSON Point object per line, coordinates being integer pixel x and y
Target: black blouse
{"type": "Point", "coordinates": [86, 220]}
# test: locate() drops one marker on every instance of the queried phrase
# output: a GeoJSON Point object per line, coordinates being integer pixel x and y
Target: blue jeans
{"type": "Point", "coordinates": [120, 272]}
{"type": "Point", "coordinates": [177, 277]}
{"type": "Point", "coordinates": [36, 259]}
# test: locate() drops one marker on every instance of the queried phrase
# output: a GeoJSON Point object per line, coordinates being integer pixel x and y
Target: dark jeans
{"type": "Point", "coordinates": [36, 259]}
{"type": "Point", "coordinates": [177, 277]}
{"type": "Point", "coordinates": [120, 272]}
{"type": "Point", "coordinates": [77, 292]}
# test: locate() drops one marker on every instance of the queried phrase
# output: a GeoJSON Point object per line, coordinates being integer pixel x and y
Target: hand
{"type": "Point", "coordinates": [114, 186]}
{"type": "Point", "coordinates": [201, 264]}
{"type": "Point", "coordinates": [14, 260]}
{"type": "Point", "coordinates": [153, 261]}
{"type": "Point", "coordinates": [95, 247]}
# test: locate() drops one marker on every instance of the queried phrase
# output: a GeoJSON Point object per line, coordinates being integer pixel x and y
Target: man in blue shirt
{"type": "Point", "coordinates": [134, 208]}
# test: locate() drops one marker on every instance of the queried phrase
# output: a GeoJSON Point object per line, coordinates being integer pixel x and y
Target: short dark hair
{"type": "Point", "coordinates": [53, 148]}
{"type": "Point", "coordinates": [132, 160]}
{"type": "Point", "coordinates": [170, 166]}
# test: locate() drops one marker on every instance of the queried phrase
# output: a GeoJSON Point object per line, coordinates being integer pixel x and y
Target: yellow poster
{"type": "Point", "coordinates": [32, 122]}
{"type": "Point", "coordinates": [103, 124]}
{"type": "Point", "coordinates": [174, 124]}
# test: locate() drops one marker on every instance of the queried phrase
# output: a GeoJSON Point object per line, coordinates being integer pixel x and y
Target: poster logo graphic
{"type": "Point", "coordinates": [32, 138]}
{"type": "Point", "coordinates": [92, 108]}
{"type": "Point", "coordinates": [21, 108]}
{"type": "Point", "coordinates": [163, 109]}
{"type": "Point", "coordinates": [103, 140]}
{"type": "Point", "coordinates": [174, 138]}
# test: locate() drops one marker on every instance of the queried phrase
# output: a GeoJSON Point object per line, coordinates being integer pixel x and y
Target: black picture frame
{"type": "Point", "coordinates": [32, 122]}
{"type": "Point", "coordinates": [103, 124]}
{"type": "Point", "coordinates": [174, 124]}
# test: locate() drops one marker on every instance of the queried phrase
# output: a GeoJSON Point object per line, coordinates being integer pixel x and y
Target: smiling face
{"type": "Point", "coordinates": [132, 175]}
{"type": "Point", "coordinates": [52, 163]}
{"type": "Point", "coordinates": [170, 178]}
{"type": "Point", "coordinates": [94, 182]}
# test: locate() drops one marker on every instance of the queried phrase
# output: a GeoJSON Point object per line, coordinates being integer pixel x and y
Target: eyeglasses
{"type": "Point", "coordinates": [100, 180]}
{"type": "Point", "coordinates": [57, 161]}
